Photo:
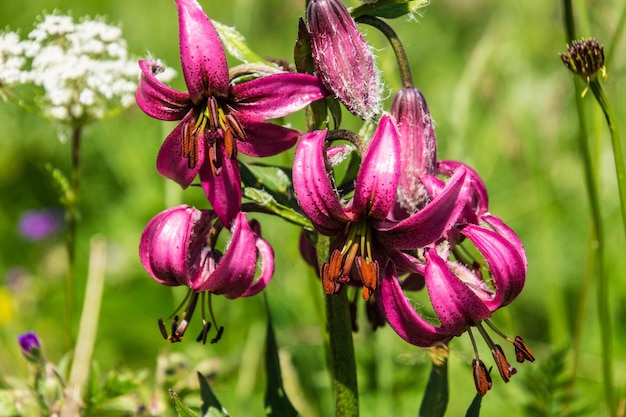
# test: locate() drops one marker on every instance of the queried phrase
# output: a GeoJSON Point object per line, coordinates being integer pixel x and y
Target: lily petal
{"type": "Point", "coordinates": [400, 314]}
{"type": "Point", "coordinates": [265, 139]}
{"type": "Point", "coordinates": [267, 267]}
{"type": "Point", "coordinates": [235, 270]}
{"type": "Point", "coordinates": [432, 222]}
{"type": "Point", "coordinates": [170, 161]}
{"type": "Point", "coordinates": [377, 181]}
{"type": "Point", "coordinates": [223, 190]}
{"type": "Point", "coordinates": [455, 304]}
{"type": "Point", "coordinates": [164, 244]}
{"type": "Point", "coordinates": [313, 188]}
{"type": "Point", "coordinates": [479, 197]}
{"type": "Point", "coordinates": [506, 232]}
{"type": "Point", "coordinates": [201, 53]}
{"type": "Point", "coordinates": [277, 95]}
{"type": "Point", "coordinates": [157, 99]}
{"type": "Point", "coordinates": [507, 267]}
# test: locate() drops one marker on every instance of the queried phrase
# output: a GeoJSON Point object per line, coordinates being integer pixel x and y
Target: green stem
{"type": "Point", "coordinates": [71, 217]}
{"type": "Point", "coordinates": [341, 355]}
{"type": "Point", "coordinates": [619, 31]}
{"type": "Point", "coordinates": [596, 257]}
{"type": "Point", "coordinates": [618, 151]}
{"type": "Point", "coordinates": [396, 45]}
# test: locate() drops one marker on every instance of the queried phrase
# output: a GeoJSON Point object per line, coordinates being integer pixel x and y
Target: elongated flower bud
{"type": "Point", "coordinates": [344, 60]}
{"type": "Point", "coordinates": [418, 147]}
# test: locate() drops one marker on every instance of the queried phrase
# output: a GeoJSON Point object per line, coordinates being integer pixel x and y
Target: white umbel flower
{"type": "Point", "coordinates": [83, 68]}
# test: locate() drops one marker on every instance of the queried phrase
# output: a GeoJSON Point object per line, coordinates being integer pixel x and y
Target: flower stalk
{"type": "Point", "coordinates": [396, 45]}
{"type": "Point", "coordinates": [596, 238]}
{"type": "Point", "coordinates": [341, 346]}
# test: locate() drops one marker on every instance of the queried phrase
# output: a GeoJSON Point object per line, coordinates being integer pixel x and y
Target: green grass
{"type": "Point", "coordinates": [503, 103]}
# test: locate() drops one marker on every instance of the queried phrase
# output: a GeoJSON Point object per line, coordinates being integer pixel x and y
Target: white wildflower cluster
{"type": "Point", "coordinates": [83, 68]}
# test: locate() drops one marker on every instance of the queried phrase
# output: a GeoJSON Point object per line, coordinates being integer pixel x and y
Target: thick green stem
{"type": "Point", "coordinates": [341, 348]}
{"type": "Point", "coordinates": [71, 218]}
{"type": "Point", "coordinates": [396, 45]}
{"type": "Point", "coordinates": [596, 257]}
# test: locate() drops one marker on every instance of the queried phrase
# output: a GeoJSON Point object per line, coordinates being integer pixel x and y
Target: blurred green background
{"type": "Point", "coordinates": [503, 103]}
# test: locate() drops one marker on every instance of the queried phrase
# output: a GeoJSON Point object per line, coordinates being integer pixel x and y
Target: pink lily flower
{"type": "Point", "coordinates": [461, 296]}
{"type": "Point", "coordinates": [364, 237]}
{"type": "Point", "coordinates": [177, 247]}
{"type": "Point", "coordinates": [218, 119]}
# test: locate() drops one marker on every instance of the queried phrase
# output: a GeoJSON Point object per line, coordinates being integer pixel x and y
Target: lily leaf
{"type": "Point", "coordinates": [474, 408]}
{"type": "Point", "coordinates": [182, 410]}
{"type": "Point", "coordinates": [235, 43]}
{"type": "Point", "coordinates": [211, 406]}
{"type": "Point", "coordinates": [277, 403]}
{"type": "Point", "coordinates": [435, 399]}
{"type": "Point", "coordinates": [271, 189]}
{"type": "Point", "coordinates": [389, 9]}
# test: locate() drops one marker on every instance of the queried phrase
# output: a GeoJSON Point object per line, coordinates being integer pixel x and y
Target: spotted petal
{"type": "Point", "coordinates": [455, 304]}
{"type": "Point", "coordinates": [507, 267]}
{"type": "Point", "coordinates": [170, 161]}
{"type": "Point", "coordinates": [223, 190]}
{"type": "Point", "coordinates": [265, 139]}
{"type": "Point", "coordinates": [157, 99]}
{"type": "Point", "coordinates": [401, 315]}
{"type": "Point", "coordinates": [313, 187]}
{"type": "Point", "coordinates": [266, 253]}
{"type": "Point", "coordinates": [201, 53]}
{"type": "Point", "coordinates": [276, 95]}
{"type": "Point", "coordinates": [433, 221]}
{"type": "Point", "coordinates": [235, 271]}
{"type": "Point", "coordinates": [377, 181]}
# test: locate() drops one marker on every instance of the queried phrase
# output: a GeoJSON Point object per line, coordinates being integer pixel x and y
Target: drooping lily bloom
{"type": "Point", "coordinates": [363, 235]}
{"type": "Point", "coordinates": [464, 290]}
{"type": "Point", "coordinates": [217, 119]}
{"type": "Point", "coordinates": [343, 58]}
{"type": "Point", "coordinates": [178, 247]}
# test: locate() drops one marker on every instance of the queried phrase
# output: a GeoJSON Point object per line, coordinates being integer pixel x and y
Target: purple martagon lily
{"type": "Point", "coordinates": [460, 294]}
{"type": "Point", "coordinates": [364, 236]}
{"type": "Point", "coordinates": [218, 119]}
{"type": "Point", "coordinates": [178, 247]}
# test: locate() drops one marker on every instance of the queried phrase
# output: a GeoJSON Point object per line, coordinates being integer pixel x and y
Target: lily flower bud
{"type": "Point", "coordinates": [344, 60]}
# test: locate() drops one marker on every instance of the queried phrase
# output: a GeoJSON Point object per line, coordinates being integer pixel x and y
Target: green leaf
{"type": "Point", "coordinates": [211, 406]}
{"type": "Point", "coordinates": [182, 410]}
{"type": "Point", "coordinates": [277, 403]}
{"type": "Point", "coordinates": [389, 9]}
{"type": "Point", "coordinates": [436, 395]}
{"type": "Point", "coordinates": [271, 190]}
{"type": "Point", "coordinates": [474, 408]}
{"type": "Point", "coordinates": [235, 43]}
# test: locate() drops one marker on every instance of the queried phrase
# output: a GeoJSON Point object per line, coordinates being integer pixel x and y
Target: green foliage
{"type": "Point", "coordinates": [436, 395]}
{"type": "Point", "coordinates": [389, 9]}
{"type": "Point", "coordinates": [182, 409]}
{"type": "Point", "coordinates": [277, 403]}
{"type": "Point", "coordinates": [552, 389]}
{"type": "Point", "coordinates": [474, 408]}
{"type": "Point", "coordinates": [211, 406]}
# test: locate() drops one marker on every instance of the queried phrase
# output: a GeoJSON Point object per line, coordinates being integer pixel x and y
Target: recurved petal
{"type": "Point", "coordinates": [277, 95]}
{"type": "Point", "coordinates": [401, 316]}
{"type": "Point", "coordinates": [201, 53]}
{"type": "Point", "coordinates": [235, 270]}
{"type": "Point", "coordinates": [265, 139]}
{"type": "Point", "coordinates": [507, 267]}
{"type": "Point", "coordinates": [170, 161]}
{"type": "Point", "coordinates": [223, 190]}
{"type": "Point", "coordinates": [479, 201]}
{"type": "Point", "coordinates": [164, 244]}
{"type": "Point", "coordinates": [506, 232]}
{"type": "Point", "coordinates": [455, 304]}
{"type": "Point", "coordinates": [267, 267]}
{"type": "Point", "coordinates": [313, 187]}
{"type": "Point", "coordinates": [433, 221]}
{"type": "Point", "coordinates": [157, 99]}
{"type": "Point", "coordinates": [377, 181]}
